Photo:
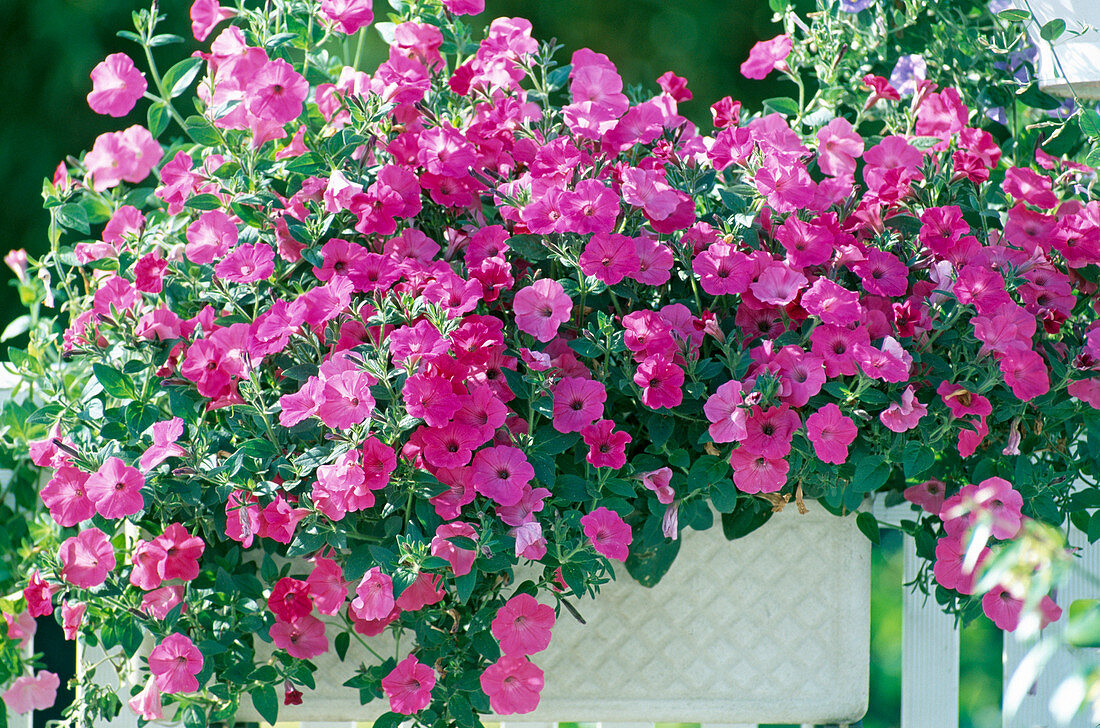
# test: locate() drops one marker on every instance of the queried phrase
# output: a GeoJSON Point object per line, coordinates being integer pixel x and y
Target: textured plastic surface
{"type": "Point", "coordinates": [770, 628]}
{"type": "Point", "coordinates": [1078, 54]}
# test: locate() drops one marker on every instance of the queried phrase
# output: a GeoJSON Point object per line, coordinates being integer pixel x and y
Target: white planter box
{"type": "Point", "coordinates": [770, 628]}
{"type": "Point", "coordinates": [1078, 55]}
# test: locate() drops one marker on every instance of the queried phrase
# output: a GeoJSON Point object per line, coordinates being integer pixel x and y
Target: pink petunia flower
{"type": "Point", "coordinates": [460, 559]}
{"type": "Point", "coordinates": [606, 446]}
{"type": "Point", "coordinates": [116, 86]}
{"type": "Point", "coordinates": [426, 589]}
{"type": "Point", "coordinates": [127, 155]}
{"type": "Point", "coordinates": [66, 497]}
{"type": "Point", "coordinates": [348, 15]}
{"type": "Point", "coordinates": [522, 625]}
{"type": "Point", "coordinates": [86, 558]}
{"type": "Point", "coordinates": [658, 481]}
{"type": "Point", "coordinates": [275, 92]}
{"type": "Point", "coordinates": [904, 416]}
{"type": "Point", "coordinates": [32, 692]}
{"type": "Point", "coordinates": [303, 638]}
{"type": "Point", "coordinates": [409, 686]}
{"type": "Point", "coordinates": [838, 148]}
{"type": "Point", "coordinates": [766, 56]}
{"type": "Point", "coordinates": [949, 567]}
{"type": "Point", "coordinates": [1005, 610]}
{"type": "Point", "coordinates": [374, 596]}
{"type": "Point", "coordinates": [165, 435]}
{"type": "Point", "coordinates": [929, 495]}
{"type": "Point", "coordinates": [769, 432]}
{"type": "Point", "coordinates": [326, 585]}
{"type": "Point", "coordinates": [727, 417]}
{"type": "Point", "coordinates": [147, 704]}
{"type": "Point", "coordinates": [609, 257]}
{"type": "Point", "coordinates": [831, 432]}
{"type": "Point", "coordinates": [661, 382]}
{"type": "Point", "coordinates": [38, 594]}
{"type": "Point", "coordinates": [541, 308]}
{"type": "Point", "coordinates": [289, 600]}
{"type": "Point", "coordinates": [754, 473]}
{"type": "Point", "coordinates": [205, 16]}
{"type": "Point", "coordinates": [174, 663]}
{"type": "Point", "coordinates": [577, 403]}
{"type": "Point", "coordinates": [247, 264]}
{"type": "Point", "coordinates": [500, 473]}
{"type": "Point", "coordinates": [513, 684]}
{"type": "Point", "coordinates": [72, 614]}
{"type": "Point", "coordinates": [608, 532]}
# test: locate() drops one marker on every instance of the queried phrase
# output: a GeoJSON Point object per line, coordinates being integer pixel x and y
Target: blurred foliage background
{"type": "Point", "coordinates": [48, 48]}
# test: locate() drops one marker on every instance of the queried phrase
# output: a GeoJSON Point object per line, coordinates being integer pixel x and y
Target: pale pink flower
{"type": "Point", "coordinates": [86, 558]}
{"type": "Point", "coordinates": [409, 686]}
{"type": "Point", "coordinates": [904, 416]}
{"type": "Point", "coordinates": [348, 15]}
{"type": "Point", "coordinates": [460, 559]}
{"type": "Point", "coordinates": [32, 692]}
{"type": "Point", "coordinates": [164, 444]}
{"type": "Point", "coordinates": [374, 596]}
{"type": "Point", "coordinates": [766, 56]}
{"type": "Point", "coordinates": [929, 495]}
{"type": "Point", "coordinates": [727, 417]}
{"type": "Point", "coordinates": [303, 638]}
{"type": "Point", "coordinates": [116, 86]}
{"type": "Point", "coordinates": [500, 473]}
{"type": "Point", "coordinates": [754, 473]}
{"type": "Point", "coordinates": [147, 703]}
{"type": "Point", "coordinates": [174, 663]}
{"type": "Point", "coordinates": [72, 614]}
{"type": "Point", "coordinates": [838, 146]}
{"type": "Point", "coordinates": [116, 489]}
{"type": "Point", "coordinates": [205, 16]}
{"type": "Point", "coordinates": [658, 481]}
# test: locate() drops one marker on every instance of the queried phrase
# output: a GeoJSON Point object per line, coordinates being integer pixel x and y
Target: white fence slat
{"type": "Point", "coordinates": [929, 656]}
{"type": "Point", "coordinates": [106, 675]}
{"type": "Point", "coordinates": [1034, 711]}
{"type": "Point", "coordinates": [727, 725]}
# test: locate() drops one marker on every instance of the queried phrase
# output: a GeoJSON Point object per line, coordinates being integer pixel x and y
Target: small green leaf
{"type": "Point", "coordinates": [782, 105]}
{"type": "Point", "coordinates": [266, 702]}
{"type": "Point", "coordinates": [1014, 16]}
{"type": "Point", "coordinates": [342, 643]}
{"type": "Point", "coordinates": [1089, 121]}
{"type": "Point", "coordinates": [1053, 30]}
{"type": "Point", "coordinates": [157, 118]}
{"type": "Point", "coordinates": [114, 382]}
{"type": "Point", "coordinates": [1083, 624]}
{"type": "Point", "coordinates": [164, 39]}
{"type": "Point", "coordinates": [74, 217]}
{"type": "Point", "coordinates": [205, 201]}
{"type": "Point", "coordinates": [180, 76]}
{"type": "Point", "coordinates": [200, 130]}
{"type": "Point", "coordinates": [917, 459]}
{"type": "Point", "coordinates": [868, 524]}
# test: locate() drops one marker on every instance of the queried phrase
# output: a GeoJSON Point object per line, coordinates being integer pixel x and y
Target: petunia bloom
{"type": "Point", "coordinates": [513, 684]}
{"type": "Point", "coordinates": [608, 533]}
{"type": "Point", "coordinates": [409, 686]}
{"type": "Point", "coordinates": [522, 625]}
{"type": "Point", "coordinates": [175, 662]}
{"type": "Point", "coordinates": [116, 86]}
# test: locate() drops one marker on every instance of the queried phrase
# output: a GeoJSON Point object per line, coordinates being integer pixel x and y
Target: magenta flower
{"type": "Point", "coordinates": [660, 381]}
{"type": "Point", "coordinates": [116, 86]}
{"type": "Point", "coordinates": [431, 398]}
{"type": "Point", "coordinates": [303, 638]}
{"type": "Point", "coordinates": [727, 417]}
{"type": "Point", "coordinates": [929, 495]}
{"type": "Point", "coordinates": [118, 156]}
{"type": "Point", "coordinates": [326, 585]}
{"type": "Point", "coordinates": [32, 692]}
{"type": "Point", "coordinates": [758, 474]}
{"type": "Point", "coordinates": [174, 663]}
{"type": "Point", "coordinates": [778, 284]}
{"type": "Point", "coordinates": [522, 625]}
{"type": "Point", "coordinates": [66, 496]}
{"type": "Point", "coordinates": [608, 532]}
{"type": "Point", "coordinates": [903, 416]}
{"type": "Point", "coordinates": [426, 589]}
{"type": "Point", "coordinates": [609, 257]}
{"type": "Point", "coordinates": [38, 594]}
{"type": "Point", "coordinates": [374, 596]}
{"type": "Point", "coordinates": [289, 600]}
{"type": "Point", "coordinates": [963, 402]}
{"type": "Point", "coordinates": [275, 93]}
{"type": "Point", "coordinates": [768, 433]}
{"type": "Point", "coordinates": [766, 56]}
{"type": "Point", "coordinates": [247, 264]}
{"type": "Point", "coordinates": [541, 308]}
{"type": "Point", "coordinates": [654, 262]}
{"type": "Point", "coordinates": [838, 148]}
{"type": "Point", "coordinates": [164, 444]}
{"type": "Point", "coordinates": [883, 274]}
{"type": "Point", "coordinates": [86, 558]}
{"type": "Point", "coordinates": [723, 270]}
{"type": "Point", "coordinates": [348, 15]}
{"type": "Point", "coordinates": [116, 489]}
{"type": "Point", "coordinates": [409, 686]}
{"type": "Point", "coordinates": [460, 559]}
{"type": "Point", "coordinates": [592, 208]}
{"type": "Point", "coordinates": [513, 684]}
{"type": "Point", "coordinates": [831, 432]}
{"type": "Point", "coordinates": [500, 473]}
{"type": "Point", "coordinates": [949, 567]}
{"type": "Point", "coordinates": [577, 403]}
{"type": "Point", "coordinates": [832, 303]}
{"type": "Point", "coordinates": [890, 363]}
{"type": "Point", "coordinates": [658, 481]}
{"type": "Point", "coordinates": [606, 446]}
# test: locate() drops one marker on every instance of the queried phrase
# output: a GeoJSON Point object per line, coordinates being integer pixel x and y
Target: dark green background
{"type": "Point", "coordinates": [48, 48]}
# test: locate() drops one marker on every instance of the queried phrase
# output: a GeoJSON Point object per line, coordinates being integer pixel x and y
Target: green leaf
{"type": "Point", "coordinates": [17, 327]}
{"type": "Point", "coordinates": [1014, 16]}
{"type": "Point", "coordinates": [551, 442]}
{"type": "Point", "coordinates": [164, 39]}
{"type": "Point", "coordinates": [259, 448]}
{"type": "Point", "coordinates": [586, 348]}
{"type": "Point", "coordinates": [868, 524]}
{"type": "Point", "coordinates": [180, 76]}
{"type": "Point", "coordinates": [201, 131]}
{"type": "Point", "coordinates": [782, 105]}
{"type": "Point", "coordinates": [871, 474]}
{"type": "Point", "coordinates": [342, 643]}
{"type": "Point", "coordinates": [917, 459]}
{"type": "Point", "coordinates": [157, 118]}
{"type": "Point", "coordinates": [1053, 30]}
{"type": "Point", "coordinates": [114, 382]}
{"type": "Point", "coordinates": [266, 702]}
{"type": "Point", "coordinates": [1089, 121]}
{"type": "Point", "coordinates": [747, 518]}
{"type": "Point", "coordinates": [388, 720]}
{"type": "Point", "coordinates": [1031, 96]}
{"type": "Point", "coordinates": [647, 567]}
{"type": "Point", "coordinates": [574, 578]}
{"type": "Point", "coordinates": [529, 247]}
{"type": "Point", "coordinates": [74, 217]}
{"type": "Point", "coordinates": [205, 201]}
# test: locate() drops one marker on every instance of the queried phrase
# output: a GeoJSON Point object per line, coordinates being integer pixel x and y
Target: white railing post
{"type": "Point", "coordinates": [1034, 710]}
